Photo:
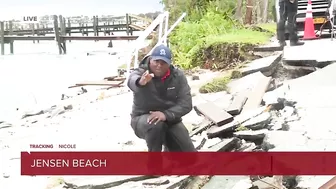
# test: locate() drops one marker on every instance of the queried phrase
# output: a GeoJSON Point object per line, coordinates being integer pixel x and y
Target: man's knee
{"type": "Point", "coordinates": [144, 130]}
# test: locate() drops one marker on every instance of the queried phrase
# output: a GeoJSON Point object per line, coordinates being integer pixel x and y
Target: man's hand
{"type": "Point", "coordinates": [145, 78]}
{"type": "Point", "coordinates": [156, 117]}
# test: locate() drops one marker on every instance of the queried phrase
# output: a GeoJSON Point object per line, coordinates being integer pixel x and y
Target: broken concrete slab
{"type": "Point", "coordinates": [246, 146]}
{"type": "Point", "coordinates": [197, 182]}
{"type": "Point", "coordinates": [251, 135]}
{"type": "Point", "coordinates": [228, 182]}
{"type": "Point", "coordinates": [315, 50]}
{"type": "Point", "coordinates": [211, 142]}
{"type": "Point", "coordinates": [258, 122]}
{"type": "Point", "coordinates": [156, 182]}
{"type": "Point", "coordinates": [257, 93]}
{"type": "Point", "coordinates": [245, 83]}
{"type": "Point", "coordinates": [214, 113]}
{"type": "Point", "coordinates": [205, 124]}
{"type": "Point", "coordinates": [284, 140]}
{"type": "Point", "coordinates": [216, 131]}
{"type": "Point", "coordinates": [224, 101]}
{"type": "Point", "coordinates": [268, 48]}
{"type": "Point", "coordinates": [237, 103]}
{"type": "Point", "coordinates": [225, 145]}
{"type": "Point", "coordinates": [264, 65]}
{"type": "Point", "coordinates": [312, 182]}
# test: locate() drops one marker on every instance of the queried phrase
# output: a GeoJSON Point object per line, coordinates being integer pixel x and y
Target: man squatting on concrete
{"type": "Point", "coordinates": [161, 97]}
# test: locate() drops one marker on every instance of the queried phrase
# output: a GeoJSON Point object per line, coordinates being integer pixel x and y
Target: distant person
{"type": "Point", "coordinates": [161, 97]}
{"type": "Point", "coordinates": [110, 44]}
{"type": "Point", "coordinates": [287, 12]}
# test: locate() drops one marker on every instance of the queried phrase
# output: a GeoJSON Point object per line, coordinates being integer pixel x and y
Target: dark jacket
{"type": "Point", "coordinates": [172, 97]}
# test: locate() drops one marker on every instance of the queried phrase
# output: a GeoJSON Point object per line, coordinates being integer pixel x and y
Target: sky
{"type": "Point", "coordinates": [16, 9]}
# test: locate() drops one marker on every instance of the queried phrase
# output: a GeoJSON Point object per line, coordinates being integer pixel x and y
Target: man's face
{"type": "Point", "coordinates": [158, 67]}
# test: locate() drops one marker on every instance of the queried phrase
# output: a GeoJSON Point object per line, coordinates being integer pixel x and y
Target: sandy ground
{"type": "Point", "coordinates": [99, 121]}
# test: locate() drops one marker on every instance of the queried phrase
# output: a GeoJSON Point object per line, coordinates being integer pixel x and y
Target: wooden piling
{"type": "Point", "coordinates": [69, 26]}
{"type": "Point", "coordinates": [130, 22]}
{"type": "Point", "coordinates": [57, 37]}
{"type": "Point", "coordinates": [2, 37]}
{"type": "Point", "coordinates": [127, 24]}
{"type": "Point", "coordinates": [37, 32]}
{"type": "Point", "coordinates": [11, 42]}
{"type": "Point", "coordinates": [94, 27]}
{"type": "Point", "coordinates": [97, 24]}
{"type": "Point", "coordinates": [33, 30]}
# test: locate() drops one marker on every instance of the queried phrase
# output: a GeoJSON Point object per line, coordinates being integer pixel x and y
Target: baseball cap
{"type": "Point", "coordinates": [162, 52]}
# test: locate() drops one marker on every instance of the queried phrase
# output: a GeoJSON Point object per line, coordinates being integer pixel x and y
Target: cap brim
{"type": "Point", "coordinates": [168, 61]}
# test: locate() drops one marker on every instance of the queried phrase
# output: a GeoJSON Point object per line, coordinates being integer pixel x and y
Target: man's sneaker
{"type": "Point", "coordinates": [296, 43]}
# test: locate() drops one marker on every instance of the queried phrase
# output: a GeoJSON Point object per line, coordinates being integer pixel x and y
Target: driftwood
{"type": "Point", "coordinates": [110, 184]}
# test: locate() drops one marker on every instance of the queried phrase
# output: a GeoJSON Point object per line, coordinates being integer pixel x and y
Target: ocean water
{"type": "Point", "coordinates": [36, 75]}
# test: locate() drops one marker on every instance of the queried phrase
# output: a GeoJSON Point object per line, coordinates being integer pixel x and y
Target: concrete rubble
{"type": "Point", "coordinates": [282, 119]}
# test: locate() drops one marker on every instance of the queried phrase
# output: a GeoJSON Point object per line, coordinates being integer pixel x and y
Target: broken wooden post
{"type": "Point", "coordinates": [2, 37]}
{"type": "Point", "coordinates": [57, 37]}
{"type": "Point", "coordinates": [11, 42]}
{"type": "Point", "coordinates": [62, 34]}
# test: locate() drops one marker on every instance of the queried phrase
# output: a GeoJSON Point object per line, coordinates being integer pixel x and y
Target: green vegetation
{"type": "Point", "coordinates": [210, 37]}
{"type": "Point", "coordinates": [216, 85]}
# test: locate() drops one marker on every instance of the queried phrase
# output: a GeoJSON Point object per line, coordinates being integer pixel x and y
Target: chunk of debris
{"type": "Point", "coordinates": [5, 125]}
{"type": "Point", "coordinates": [214, 113]}
{"type": "Point", "coordinates": [246, 146]}
{"type": "Point", "coordinates": [197, 182]}
{"type": "Point", "coordinates": [195, 77]}
{"type": "Point", "coordinates": [268, 183]}
{"type": "Point", "coordinates": [238, 120]}
{"type": "Point", "coordinates": [198, 141]}
{"type": "Point", "coordinates": [201, 127]}
{"type": "Point", "coordinates": [32, 113]}
{"type": "Point", "coordinates": [237, 104]}
{"type": "Point", "coordinates": [258, 122]}
{"type": "Point", "coordinates": [156, 182]}
{"type": "Point", "coordinates": [228, 182]}
{"type": "Point", "coordinates": [251, 135]}
{"type": "Point", "coordinates": [216, 131]}
{"type": "Point", "coordinates": [211, 142]}
{"type": "Point", "coordinates": [224, 146]}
